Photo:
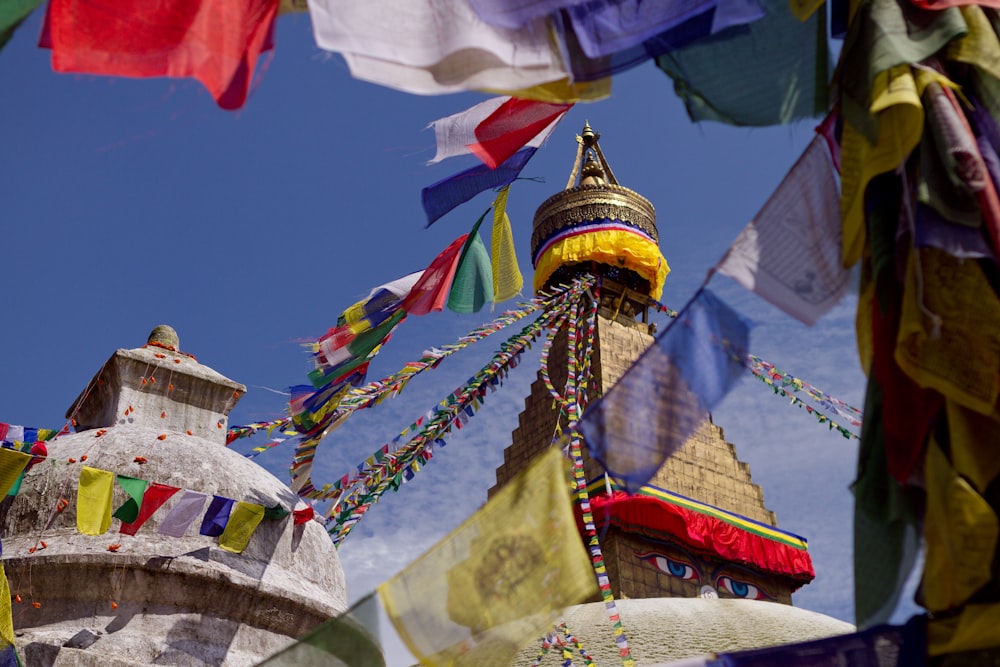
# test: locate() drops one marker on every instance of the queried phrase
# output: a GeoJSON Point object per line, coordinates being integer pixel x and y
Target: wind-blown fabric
{"type": "Point", "coordinates": [433, 47]}
{"type": "Point", "coordinates": [217, 42]}
{"type": "Point", "coordinates": [499, 578]}
{"type": "Point", "coordinates": [768, 72]}
{"type": "Point", "coordinates": [134, 489]}
{"type": "Point", "coordinates": [430, 292]}
{"type": "Point", "coordinates": [216, 516]}
{"type": "Point", "coordinates": [183, 513]}
{"type": "Point", "coordinates": [154, 498]}
{"type": "Point", "coordinates": [12, 14]}
{"type": "Point", "coordinates": [443, 196]}
{"type": "Point", "coordinates": [507, 279]}
{"type": "Point", "coordinates": [668, 392]}
{"type": "Point", "coordinates": [511, 126]}
{"type": "Point", "coordinates": [12, 465]}
{"type": "Point", "coordinates": [93, 501]}
{"type": "Point", "coordinates": [243, 521]}
{"type": "Point", "coordinates": [455, 134]}
{"type": "Point", "coordinates": [472, 286]}
{"type": "Point", "coordinates": [790, 252]}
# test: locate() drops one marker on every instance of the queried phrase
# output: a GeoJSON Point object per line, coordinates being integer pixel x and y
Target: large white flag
{"type": "Point", "coordinates": [789, 254]}
{"type": "Point", "coordinates": [434, 46]}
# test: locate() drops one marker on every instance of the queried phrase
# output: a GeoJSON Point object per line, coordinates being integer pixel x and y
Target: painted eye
{"type": "Point", "coordinates": [674, 568]}
{"type": "Point", "coordinates": [740, 589]}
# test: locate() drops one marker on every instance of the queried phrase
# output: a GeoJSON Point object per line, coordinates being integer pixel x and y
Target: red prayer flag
{"type": "Point", "coordinates": [430, 293]}
{"type": "Point", "coordinates": [303, 515]}
{"type": "Point", "coordinates": [152, 500]}
{"type": "Point", "coordinates": [215, 41]}
{"type": "Point", "coordinates": [511, 126]}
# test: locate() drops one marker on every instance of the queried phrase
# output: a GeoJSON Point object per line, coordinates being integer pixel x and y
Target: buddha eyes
{"type": "Point", "coordinates": [673, 567]}
{"type": "Point", "coordinates": [740, 589]}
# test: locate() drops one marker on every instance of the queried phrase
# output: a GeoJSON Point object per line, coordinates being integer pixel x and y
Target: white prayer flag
{"type": "Point", "coordinates": [434, 46]}
{"type": "Point", "coordinates": [454, 134]}
{"type": "Point", "coordinates": [789, 254]}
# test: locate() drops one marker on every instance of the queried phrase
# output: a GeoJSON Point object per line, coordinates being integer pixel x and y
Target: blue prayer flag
{"type": "Point", "coordinates": [668, 392]}
{"type": "Point", "coordinates": [446, 194]}
{"type": "Point", "coordinates": [217, 516]}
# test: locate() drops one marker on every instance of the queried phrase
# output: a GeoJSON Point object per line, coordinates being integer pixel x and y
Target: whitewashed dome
{"type": "Point", "coordinates": [664, 629]}
{"type": "Point", "coordinates": [177, 601]}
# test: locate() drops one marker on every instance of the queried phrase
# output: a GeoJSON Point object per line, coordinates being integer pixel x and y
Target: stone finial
{"type": "Point", "coordinates": [164, 335]}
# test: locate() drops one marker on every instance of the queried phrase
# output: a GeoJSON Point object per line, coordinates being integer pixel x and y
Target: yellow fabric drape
{"type": "Point", "coordinates": [243, 521]}
{"type": "Point", "coordinates": [93, 501]}
{"type": "Point", "coordinates": [12, 464]}
{"type": "Point", "coordinates": [507, 279]}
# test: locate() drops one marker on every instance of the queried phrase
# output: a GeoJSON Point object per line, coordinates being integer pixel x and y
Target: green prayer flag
{"type": "Point", "coordinates": [276, 512]}
{"type": "Point", "coordinates": [472, 286]}
{"type": "Point", "coordinates": [12, 14]}
{"type": "Point", "coordinates": [135, 488]}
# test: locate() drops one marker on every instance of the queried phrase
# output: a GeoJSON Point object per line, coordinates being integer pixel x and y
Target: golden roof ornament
{"type": "Point", "coordinates": [597, 224]}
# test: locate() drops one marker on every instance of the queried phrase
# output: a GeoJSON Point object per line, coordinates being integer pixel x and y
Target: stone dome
{"type": "Point", "coordinates": [664, 629]}
{"type": "Point", "coordinates": [157, 599]}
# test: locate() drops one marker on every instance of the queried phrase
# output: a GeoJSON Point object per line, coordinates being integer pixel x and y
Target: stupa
{"type": "Point", "coordinates": [111, 599]}
{"type": "Point", "coordinates": [700, 530]}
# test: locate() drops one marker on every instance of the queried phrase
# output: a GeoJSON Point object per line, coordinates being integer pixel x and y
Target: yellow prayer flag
{"type": "Point", "coordinates": [980, 45]}
{"type": "Point", "coordinates": [507, 279]}
{"type": "Point", "coordinates": [6, 619]}
{"type": "Point", "coordinates": [497, 580]}
{"type": "Point", "coordinates": [12, 464]}
{"type": "Point", "coordinates": [243, 521]}
{"type": "Point", "coordinates": [562, 91]}
{"type": "Point", "coordinates": [93, 501]}
{"type": "Point", "coordinates": [803, 9]}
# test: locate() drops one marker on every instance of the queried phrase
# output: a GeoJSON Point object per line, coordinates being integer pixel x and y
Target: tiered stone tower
{"type": "Point", "coordinates": [113, 599]}
{"type": "Point", "coordinates": [660, 542]}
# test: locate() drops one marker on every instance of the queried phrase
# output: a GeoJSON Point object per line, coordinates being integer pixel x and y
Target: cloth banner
{"type": "Point", "coordinates": [154, 498]}
{"type": "Point", "coordinates": [352, 638]}
{"type": "Point", "coordinates": [472, 286]}
{"type": "Point", "coordinates": [430, 47]}
{"type": "Point", "coordinates": [134, 488]}
{"type": "Point", "coordinates": [183, 514]}
{"type": "Point", "coordinates": [430, 293]}
{"type": "Point", "coordinates": [507, 279]}
{"type": "Point", "coordinates": [239, 529]}
{"type": "Point", "coordinates": [511, 126]}
{"type": "Point", "coordinates": [216, 516]}
{"type": "Point", "coordinates": [93, 501]}
{"type": "Point", "coordinates": [789, 254]}
{"type": "Point", "coordinates": [8, 650]}
{"type": "Point", "coordinates": [12, 14]}
{"type": "Point", "coordinates": [443, 196]}
{"type": "Point", "coordinates": [12, 465]}
{"type": "Point", "coordinates": [497, 580]}
{"type": "Point", "coordinates": [454, 133]}
{"type": "Point", "coordinates": [668, 392]}
{"type": "Point", "coordinates": [216, 42]}
{"type": "Point", "coordinates": [772, 71]}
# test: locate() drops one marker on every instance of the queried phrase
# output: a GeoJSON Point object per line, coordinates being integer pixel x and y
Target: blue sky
{"type": "Point", "coordinates": [132, 203]}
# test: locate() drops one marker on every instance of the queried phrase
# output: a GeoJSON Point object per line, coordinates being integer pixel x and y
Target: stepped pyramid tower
{"type": "Point", "coordinates": [700, 528]}
{"type": "Point", "coordinates": [108, 599]}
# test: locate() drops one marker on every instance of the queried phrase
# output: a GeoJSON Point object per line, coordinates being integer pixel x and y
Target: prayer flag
{"type": "Point", "coordinates": [430, 293]}
{"type": "Point", "coordinates": [152, 500]}
{"type": "Point", "coordinates": [511, 126]}
{"type": "Point", "coordinates": [215, 41]}
{"type": "Point", "coordinates": [507, 279]}
{"type": "Point", "coordinates": [668, 392]}
{"type": "Point", "coordinates": [771, 71]}
{"type": "Point", "coordinates": [129, 511]}
{"type": "Point", "coordinates": [183, 514]}
{"type": "Point", "coordinates": [454, 133]}
{"type": "Point", "coordinates": [8, 651]}
{"type": "Point", "coordinates": [216, 516]}
{"type": "Point", "coordinates": [93, 501]}
{"type": "Point", "coordinates": [498, 579]}
{"type": "Point", "coordinates": [241, 525]}
{"type": "Point", "coordinates": [12, 464]}
{"type": "Point", "coordinates": [352, 638]}
{"type": "Point", "coordinates": [430, 47]}
{"type": "Point", "coordinates": [441, 197]}
{"type": "Point", "coordinates": [789, 254]}
{"type": "Point", "coordinates": [12, 14]}
{"type": "Point", "coordinates": [472, 286]}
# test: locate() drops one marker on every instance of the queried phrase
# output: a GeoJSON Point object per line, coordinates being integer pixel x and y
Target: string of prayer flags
{"type": "Point", "coordinates": [153, 499]}
{"type": "Point", "coordinates": [498, 579]}
{"type": "Point", "coordinates": [216, 516]}
{"type": "Point", "coordinates": [430, 292]}
{"type": "Point", "coordinates": [472, 286]}
{"type": "Point", "coordinates": [511, 126]}
{"type": "Point", "coordinates": [789, 254]}
{"type": "Point", "coordinates": [216, 42]}
{"type": "Point", "coordinates": [735, 81]}
{"type": "Point", "coordinates": [93, 501]}
{"type": "Point", "coordinates": [673, 386]}
{"type": "Point", "coordinates": [426, 47]}
{"type": "Point", "coordinates": [443, 196]}
{"type": "Point", "coordinates": [134, 489]}
{"type": "Point", "coordinates": [507, 279]}
{"type": "Point", "coordinates": [242, 523]}
{"type": "Point", "coordinates": [187, 508]}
